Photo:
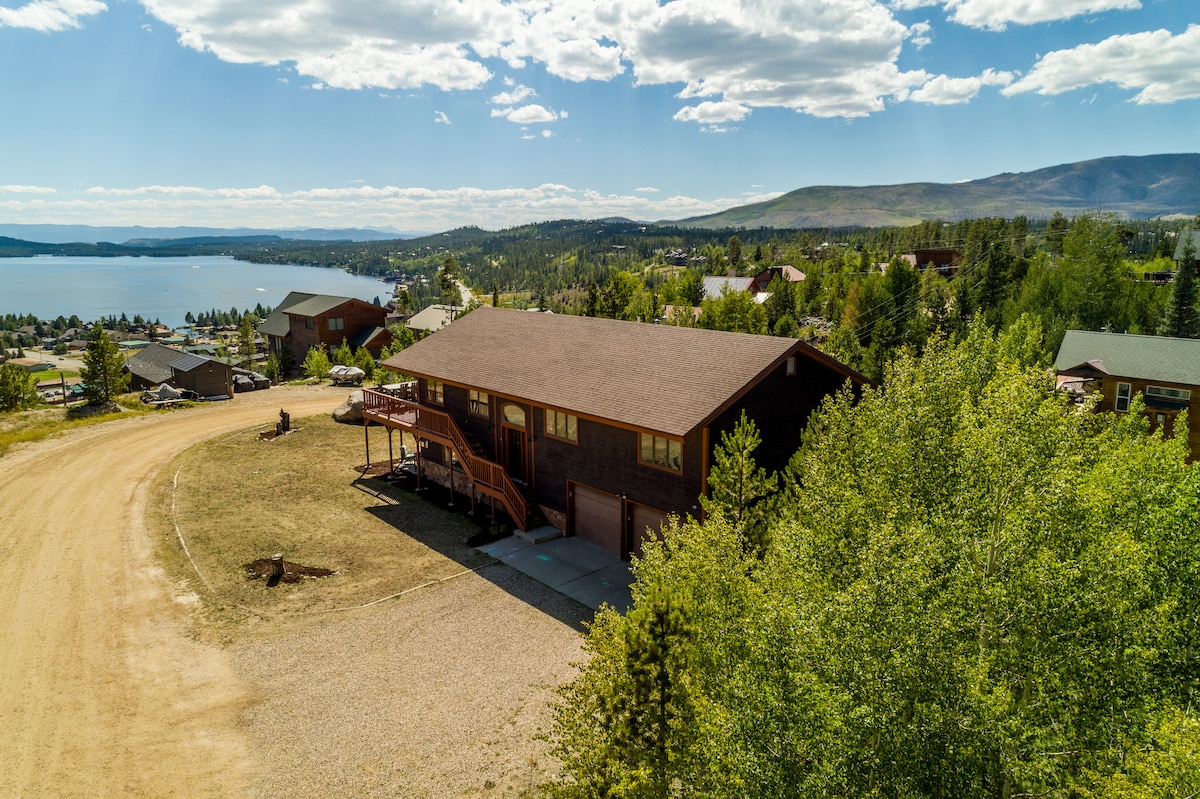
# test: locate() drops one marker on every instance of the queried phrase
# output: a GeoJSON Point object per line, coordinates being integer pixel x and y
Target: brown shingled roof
{"type": "Point", "coordinates": [656, 377]}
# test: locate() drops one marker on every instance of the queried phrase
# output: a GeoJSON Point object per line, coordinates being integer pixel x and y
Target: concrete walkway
{"type": "Point", "coordinates": [571, 566]}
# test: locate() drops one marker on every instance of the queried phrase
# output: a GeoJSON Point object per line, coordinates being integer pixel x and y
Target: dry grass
{"type": "Point", "coordinates": [236, 499]}
{"type": "Point", "coordinates": [22, 427]}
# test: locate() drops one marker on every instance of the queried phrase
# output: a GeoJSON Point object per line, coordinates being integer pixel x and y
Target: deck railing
{"type": "Point", "coordinates": [398, 411]}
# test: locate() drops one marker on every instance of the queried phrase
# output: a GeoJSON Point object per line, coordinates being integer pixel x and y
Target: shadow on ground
{"type": "Point", "coordinates": [454, 532]}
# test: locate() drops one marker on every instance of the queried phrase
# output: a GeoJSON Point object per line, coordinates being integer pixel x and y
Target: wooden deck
{"type": "Point", "coordinates": [399, 409]}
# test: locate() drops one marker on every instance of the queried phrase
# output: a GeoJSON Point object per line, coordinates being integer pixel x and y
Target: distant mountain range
{"type": "Point", "coordinates": [136, 235]}
{"type": "Point", "coordinates": [1135, 187]}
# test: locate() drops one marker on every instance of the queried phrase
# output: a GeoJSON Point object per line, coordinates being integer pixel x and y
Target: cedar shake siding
{"type": "Point", "coordinates": [619, 381]}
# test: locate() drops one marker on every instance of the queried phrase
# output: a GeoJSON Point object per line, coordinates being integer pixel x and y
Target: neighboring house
{"type": "Point", "coordinates": [306, 320]}
{"type": "Point", "coordinates": [1186, 238]}
{"type": "Point", "coordinates": [1165, 371]}
{"type": "Point", "coordinates": [947, 262]}
{"type": "Point", "coordinates": [601, 427]}
{"type": "Point", "coordinates": [435, 317]}
{"type": "Point", "coordinates": [714, 287]}
{"type": "Point", "coordinates": [788, 274]}
{"type": "Point", "coordinates": [157, 364]}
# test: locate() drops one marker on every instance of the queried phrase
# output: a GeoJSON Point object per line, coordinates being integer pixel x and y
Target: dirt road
{"type": "Point", "coordinates": [101, 693]}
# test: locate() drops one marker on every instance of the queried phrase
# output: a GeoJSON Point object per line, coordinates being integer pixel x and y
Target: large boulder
{"type": "Point", "coordinates": [350, 411]}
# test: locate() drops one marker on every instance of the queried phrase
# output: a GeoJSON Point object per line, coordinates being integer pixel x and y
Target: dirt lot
{"type": "Point", "coordinates": [110, 689]}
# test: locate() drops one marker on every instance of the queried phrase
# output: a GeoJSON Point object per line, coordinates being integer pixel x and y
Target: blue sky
{"type": "Point", "coordinates": [415, 115]}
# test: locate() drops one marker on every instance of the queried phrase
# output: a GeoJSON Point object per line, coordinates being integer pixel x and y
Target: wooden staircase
{"type": "Point", "coordinates": [488, 477]}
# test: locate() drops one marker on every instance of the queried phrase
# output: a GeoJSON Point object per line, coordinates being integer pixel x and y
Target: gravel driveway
{"type": "Point", "coordinates": [106, 693]}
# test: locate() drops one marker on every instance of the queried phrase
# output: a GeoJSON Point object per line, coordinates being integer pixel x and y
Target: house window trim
{"type": "Point", "coordinates": [309, 323]}
{"type": "Point", "coordinates": [435, 392]}
{"type": "Point", "coordinates": [789, 368]}
{"type": "Point", "coordinates": [1167, 393]}
{"type": "Point", "coordinates": [655, 464]}
{"type": "Point", "coordinates": [478, 403]}
{"type": "Point", "coordinates": [337, 323]}
{"type": "Point", "coordinates": [1121, 402]}
{"type": "Point", "coordinates": [550, 429]}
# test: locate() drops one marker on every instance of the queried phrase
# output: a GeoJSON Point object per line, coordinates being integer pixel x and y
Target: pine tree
{"type": "Point", "coordinates": [17, 387]}
{"type": "Point", "coordinates": [1181, 318]}
{"type": "Point", "coordinates": [246, 348]}
{"type": "Point", "coordinates": [316, 362]}
{"type": "Point", "coordinates": [739, 487]}
{"type": "Point", "coordinates": [103, 371]}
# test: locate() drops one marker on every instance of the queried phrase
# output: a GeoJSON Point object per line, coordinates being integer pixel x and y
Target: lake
{"type": "Point", "coordinates": [163, 288]}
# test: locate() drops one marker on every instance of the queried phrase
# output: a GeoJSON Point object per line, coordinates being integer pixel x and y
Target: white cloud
{"type": "Point", "coordinates": [998, 14]}
{"type": "Point", "coordinates": [519, 94]}
{"type": "Point", "coordinates": [11, 189]}
{"type": "Point", "coordinates": [408, 208]}
{"type": "Point", "coordinates": [532, 114]}
{"type": "Point", "coordinates": [440, 118]}
{"type": "Point", "coordinates": [1161, 67]}
{"type": "Point", "coordinates": [709, 113]}
{"type": "Point", "coordinates": [646, 189]}
{"type": "Point", "coordinates": [546, 134]}
{"type": "Point", "coordinates": [830, 58]}
{"type": "Point", "coordinates": [49, 16]}
{"type": "Point", "coordinates": [827, 58]}
{"type": "Point", "coordinates": [945, 90]}
{"type": "Point", "coordinates": [921, 34]}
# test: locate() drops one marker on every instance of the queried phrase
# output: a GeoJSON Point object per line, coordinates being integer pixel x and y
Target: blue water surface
{"type": "Point", "coordinates": [163, 288]}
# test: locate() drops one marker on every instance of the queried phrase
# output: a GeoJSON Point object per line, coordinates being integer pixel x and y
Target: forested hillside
{"type": "Point", "coordinates": [1135, 187]}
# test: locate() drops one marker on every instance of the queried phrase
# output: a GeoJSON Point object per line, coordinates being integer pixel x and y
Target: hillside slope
{"type": "Point", "coordinates": [1137, 187]}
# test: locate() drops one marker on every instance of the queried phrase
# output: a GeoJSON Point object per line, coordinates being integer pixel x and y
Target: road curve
{"type": "Point", "coordinates": [102, 693]}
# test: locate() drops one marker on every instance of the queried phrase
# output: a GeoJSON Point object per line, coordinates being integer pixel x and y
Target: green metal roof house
{"type": "Point", "coordinates": [1165, 371]}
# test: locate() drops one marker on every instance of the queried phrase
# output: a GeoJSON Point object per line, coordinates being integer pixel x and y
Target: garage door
{"type": "Point", "coordinates": [641, 517]}
{"type": "Point", "coordinates": [596, 517]}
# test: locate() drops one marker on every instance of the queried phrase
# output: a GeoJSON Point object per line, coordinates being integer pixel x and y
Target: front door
{"type": "Point", "coordinates": [514, 453]}
{"type": "Point", "coordinates": [512, 436]}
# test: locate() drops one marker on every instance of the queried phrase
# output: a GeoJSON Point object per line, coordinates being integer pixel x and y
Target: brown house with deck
{"type": "Point", "coordinates": [1164, 370]}
{"type": "Point", "coordinates": [600, 427]}
{"type": "Point", "coordinates": [305, 320]}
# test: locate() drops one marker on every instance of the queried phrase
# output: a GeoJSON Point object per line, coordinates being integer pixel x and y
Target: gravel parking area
{"type": "Point", "coordinates": [439, 693]}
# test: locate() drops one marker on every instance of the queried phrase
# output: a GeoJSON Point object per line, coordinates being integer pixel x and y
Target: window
{"type": "Point", "coordinates": [1122, 403]}
{"type": "Point", "coordinates": [791, 365]}
{"type": "Point", "coordinates": [338, 323]}
{"type": "Point", "coordinates": [661, 451]}
{"type": "Point", "coordinates": [562, 425]}
{"type": "Point", "coordinates": [308, 323]}
{"type": "Point", "coordinates": [434, 391]}
{"type": "Point", "coordinates": [1178, 394]}
{"type": "Point", "coordinates": [477, 402]}
{"type": "Point", "coordinates": [514, 415]}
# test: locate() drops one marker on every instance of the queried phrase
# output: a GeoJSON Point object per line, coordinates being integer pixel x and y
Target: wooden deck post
{"type": "Point", "coordinates": [417, 445]}
{"type": "Point", "coordinates": [391, 460]}
{"type": "Point", "coordinates": [367, 441]}
{"type": "Point", "coordinates": [451, 451]}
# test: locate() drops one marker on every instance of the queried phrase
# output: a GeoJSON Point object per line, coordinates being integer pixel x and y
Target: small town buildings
{"type": "Point", "coordinates": [600, 427]}
{"type": "Point", "coordinates": [435, 317]}
{"type": "Point", "coordinates": [788, 274]}
{"type": "Point", "coordinates": [946, 262]}
{"type": "Point", "coordinates": [1165, 371]}
{"type": "Point", "coordinates": [308, 320]}
{"type": "Point", "coordinates": [156, 364]}
{"type": "Point", "coordinates": [715, 286]}
{"type": "Point", "coordinates": [1188, 238]}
